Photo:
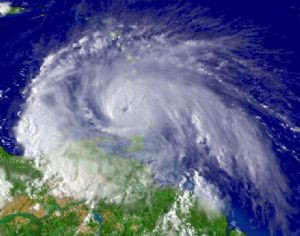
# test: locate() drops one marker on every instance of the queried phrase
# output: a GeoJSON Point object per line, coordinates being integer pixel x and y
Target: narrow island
{"type": "Point", "coordinates": [6, 8]}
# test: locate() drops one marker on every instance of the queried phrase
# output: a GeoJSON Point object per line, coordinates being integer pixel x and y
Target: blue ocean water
{"type": "Point", "coordinates": [27, 38]}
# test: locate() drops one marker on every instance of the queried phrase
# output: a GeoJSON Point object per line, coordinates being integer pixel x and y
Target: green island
{"type": "Point", "coordinates": [15, 10]}
{"type": "Point", "coordinates": [137, 144]}
{"type": "Point", "coordinates": [32, 209]}
{"type": "Point", "coordinates": [7, 9]}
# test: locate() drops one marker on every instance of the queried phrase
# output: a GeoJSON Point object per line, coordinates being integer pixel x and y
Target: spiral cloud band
{"type": "Point", "coordinates": [137, 80]}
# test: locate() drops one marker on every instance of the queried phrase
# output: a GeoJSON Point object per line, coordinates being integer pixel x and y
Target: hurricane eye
{"type": "Point", "coordinates": [125, 109]}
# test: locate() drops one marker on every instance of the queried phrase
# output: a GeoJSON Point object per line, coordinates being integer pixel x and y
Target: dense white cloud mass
{"type": "Point", "coordinates": [117, 82]}
{"type": "Point", "coordinates": [5, 189]}
{"type": "Point", "coordinates": [4, 8]}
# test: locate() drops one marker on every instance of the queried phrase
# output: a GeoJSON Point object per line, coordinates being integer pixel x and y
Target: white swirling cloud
{"type": "Point", "coordinates": [111, 83]}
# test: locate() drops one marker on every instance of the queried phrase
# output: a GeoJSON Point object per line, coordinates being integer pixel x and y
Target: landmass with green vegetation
{"type": "Point", "coordinates": [136, 144]}
{"type": "Point", "coordinates": [32, 209]}
{"type": "Point", "coordinates": [7, 9]}
{"type": "Point", "coordinates": [15, 10]}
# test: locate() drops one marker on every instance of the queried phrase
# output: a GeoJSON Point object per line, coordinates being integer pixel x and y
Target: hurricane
{"type": "Point", "coordinates": [170, 81]}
